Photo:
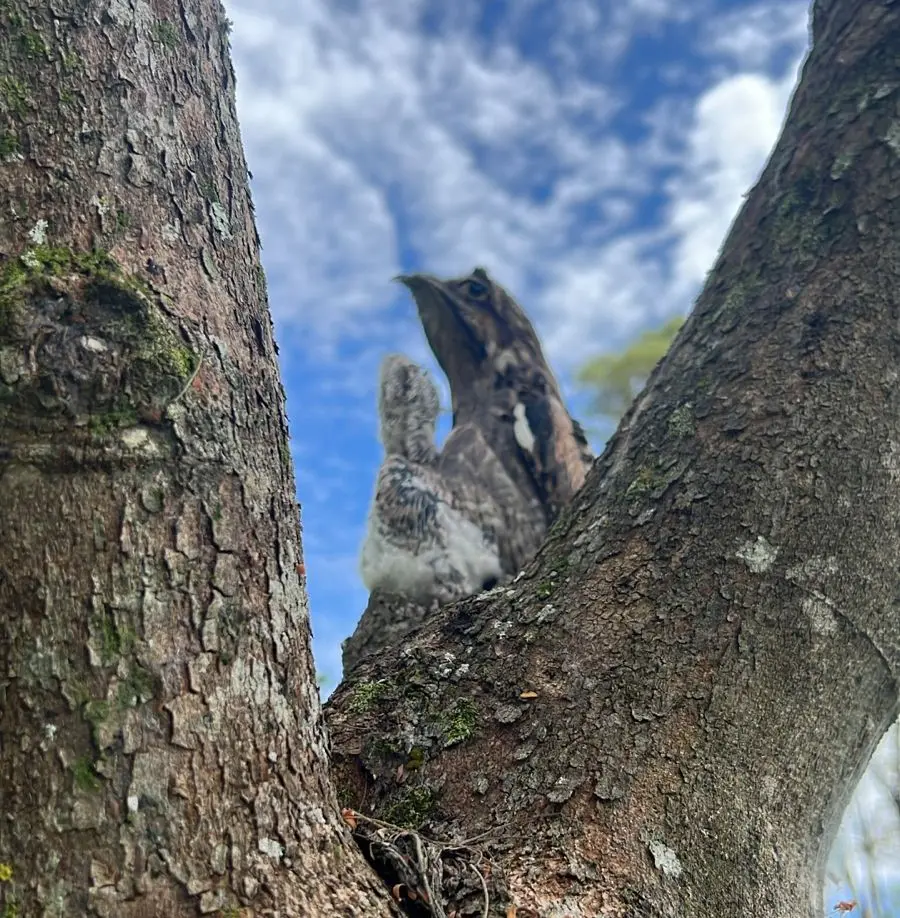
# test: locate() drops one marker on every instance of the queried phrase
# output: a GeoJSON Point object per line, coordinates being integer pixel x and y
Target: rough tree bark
{"type": "Point", "coordinates": [161, 743]}
{"type": "Point", "coordinates": [666, 715]}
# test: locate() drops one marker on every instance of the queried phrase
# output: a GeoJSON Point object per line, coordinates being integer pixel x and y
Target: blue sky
{"type": "Point", "coordinates": [591, 155]}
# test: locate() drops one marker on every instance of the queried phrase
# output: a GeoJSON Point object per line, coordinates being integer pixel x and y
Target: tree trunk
{"type": "Point", "coordinates": [162, 749]}
{"type": "Point", "coordinates": [666, 715]}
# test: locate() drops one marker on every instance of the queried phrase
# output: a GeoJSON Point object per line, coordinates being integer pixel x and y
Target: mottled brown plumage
{"type": "Point", "coordinates": [501, 383]}
{"type": "Point", "coordinates": [509, 517]}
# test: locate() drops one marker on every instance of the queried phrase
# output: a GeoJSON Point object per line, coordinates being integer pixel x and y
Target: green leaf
{"type": "Point", "coordinates": [614, 379]}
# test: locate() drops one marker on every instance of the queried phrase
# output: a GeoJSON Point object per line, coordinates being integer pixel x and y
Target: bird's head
{"type": "Point", "coordinates": [408, 407]}
{"type": "Point", "coordinates": [477, 331]}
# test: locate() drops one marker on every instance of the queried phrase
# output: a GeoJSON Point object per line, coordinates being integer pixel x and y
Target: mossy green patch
{"type": "Point", "coordinates": [70, 61]}
{"type": "Point", "coordinates": [384, 748]}
{"type": "Point", "coordinates": [561, 564]}
{"type": "Point", "coordinates": [123, 219]}
{"type": "Point", "coordinates": [103, 301]}
{"type": "Point", "coordinates": [76, 693]}
{"type": "Point", "coordinates": [415, 759]}
{"type": "Point", "coordinates": [103, 424]}
{"type": "Point", "coordinates": [95, 712]}
{"type": "Point", "coordinates": [798, 219]}
{"type": "Point", "coordinates": [643, 483]}
{"type": "Point", "coordinates": [9, 144]}
{"type": "Point", "coordinates": [366, 695]}
{"type": "Point", "coordinates": [458, 724]}
{"type": "Point", "coordinates": [32, 43]}
{"type": "Point", "coordinates": [21, 277]}
{"type": "Point", "coordinates": [136, 688]}
{"type": "Point", "coordinates": [113, 641]}
{"type": "Point", "coordinates": [166, 34]}
{"type": "Point", "coordinates": [739, 293]}
{"type": "Point", "coordinates": [86, 778]}
{"type": "Point", "coordinates": [13, 95]}
{"type": "Point", "coordinates": [841, 164]}
{"type": "Point", "coordinates": [208, 190]}
{"type": "Point", "coordinates": [681, 422]}
{"type": "Point", "coordinates": [411, 807]}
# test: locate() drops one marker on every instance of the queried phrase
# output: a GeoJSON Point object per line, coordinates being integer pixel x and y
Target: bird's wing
{"type": "Point", "coordinates": [551, 444]}
{"type": "Point", "coordinates": [485, 493]}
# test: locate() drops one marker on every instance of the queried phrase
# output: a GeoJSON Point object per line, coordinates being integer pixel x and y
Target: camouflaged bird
{"type": "Point", "coordinates": [513, 459]}
{"type": "Point", "coordinates": [431, 536]}
{"type": "Point", "coordinates": [502, 385]}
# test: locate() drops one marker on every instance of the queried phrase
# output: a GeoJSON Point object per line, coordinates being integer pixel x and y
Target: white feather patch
{"type": "Point", "coordinates": [452, 559]}
{"type": "Point", "coordinates": [521, 428]}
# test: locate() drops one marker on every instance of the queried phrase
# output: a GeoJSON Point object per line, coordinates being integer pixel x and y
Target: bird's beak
{"type": "Point", "coordinates": [438, 310]}
{"type": "Point", "coordinates": [415, 281]}
{"type": "Point", "coordinates": [428, 292]}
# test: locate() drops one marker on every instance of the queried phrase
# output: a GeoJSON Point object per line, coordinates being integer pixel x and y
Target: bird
{"type": "Point", "coordinates": [447, 523]}
{"type": "Point", "coordinates": [502, 385]}
{"type": "Point", "coordinates": [430, 536]}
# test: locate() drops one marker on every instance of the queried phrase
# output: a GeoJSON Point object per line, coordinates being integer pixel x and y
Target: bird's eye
{"type": "Point", "coordinates": [476, 289]}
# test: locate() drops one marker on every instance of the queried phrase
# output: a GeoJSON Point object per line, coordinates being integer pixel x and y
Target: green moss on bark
{"type": "Point", "coordinates": [112, 356]}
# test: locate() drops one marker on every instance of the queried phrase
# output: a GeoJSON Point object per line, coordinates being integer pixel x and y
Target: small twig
{"type": "Point", "coordinates": [424, 864]}
{"type": "Point", "coordinates": [484, 887]}
{"type": "Point", "coordinates": [434, 902]}
{"type": "Point", "coordinates": [465, 843]}
{"type": "Point", "coordinates": [378, 822]}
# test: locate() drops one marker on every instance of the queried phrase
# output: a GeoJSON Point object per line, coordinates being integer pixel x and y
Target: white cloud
{"type": "Point", "coordinates": [736, 123]}
{"type": "Point", "coordinates": [755, 36]}
{"type": "Point", "coordinates": [369, 138]}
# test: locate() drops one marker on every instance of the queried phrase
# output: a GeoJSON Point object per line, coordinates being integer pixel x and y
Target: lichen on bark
{"type": "Point", "coordinates": [83, 344]}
